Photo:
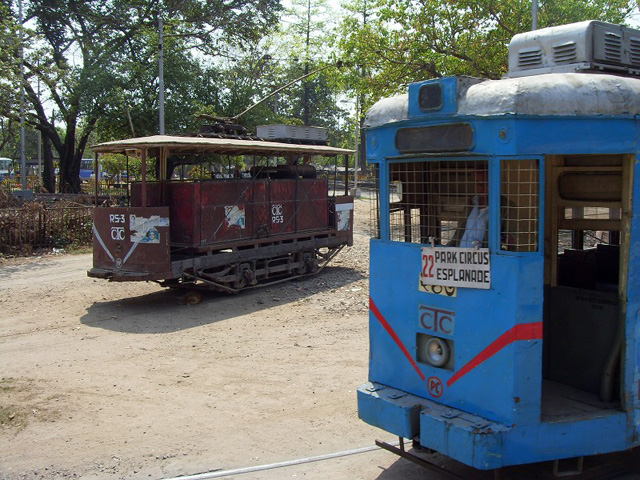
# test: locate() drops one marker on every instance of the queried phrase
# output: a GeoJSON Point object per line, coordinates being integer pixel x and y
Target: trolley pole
{"type": "Point", "coordinates": [356, 155]}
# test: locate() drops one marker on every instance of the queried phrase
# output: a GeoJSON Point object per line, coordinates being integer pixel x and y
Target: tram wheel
{"type": "Point", "coordinates": [302, 267]}
{"type": "Point", "coordinates": [312, 264]}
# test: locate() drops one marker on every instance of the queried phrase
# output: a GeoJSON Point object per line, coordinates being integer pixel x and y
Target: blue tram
{"type": "Point", "coordinates": [504, 281]}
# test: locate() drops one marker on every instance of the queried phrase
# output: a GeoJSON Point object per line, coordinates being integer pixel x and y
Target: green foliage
{"type": "Point", "coordinates": [300, 47]}
{"type": "Point", "coordinates": [96, 60]}
{"type": "Point", "coordinates": [115, 165]}
{"type": "Point", "coordinates": [403, 41]}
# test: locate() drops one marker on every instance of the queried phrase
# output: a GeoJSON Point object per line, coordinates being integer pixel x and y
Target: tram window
{"type": "Point", "coordinates": [434, 201]}
{"type": "Point", "coordinates": [520, 202]}
{"type": "Point", "coordinates": [588, 203]}
{"type": "Point", "coordinates": [589, 258]}
{"type": "Point", "coordinates": [431, 97]}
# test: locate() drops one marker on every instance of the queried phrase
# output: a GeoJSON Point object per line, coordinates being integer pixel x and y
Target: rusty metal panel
{"type": "Point", "coordinates": [312, 209]}
{"type": "Point", "coordinates": [283, 207]}
{"type": "Point", "coordinates": [225, 211]}
{"type": "Point", "coordinates": [153, 194]}
{"type": "Point", "coordinates": [184, 200]}
{"type": "Point", "coordinates": [261, 209]}
{"type": "Point", "coordinates": [132, 243]}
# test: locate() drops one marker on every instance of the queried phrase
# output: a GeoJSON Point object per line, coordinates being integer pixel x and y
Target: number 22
{"type": "Point", "coordinates": [428, 263]}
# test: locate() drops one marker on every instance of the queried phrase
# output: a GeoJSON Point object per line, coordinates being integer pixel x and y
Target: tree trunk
{"type": "Point", "coordinates": [69, 173]}
{"type": "Point", "coordinates": [70, 160]}
{"type": "Point", "coordinates": [48, 172]}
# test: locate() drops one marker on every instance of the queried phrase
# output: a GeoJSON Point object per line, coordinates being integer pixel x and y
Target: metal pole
{"type": "Point", "coordinates": [161, 75]}
{"type": "Point", "coordinates": [96, 169]}
{"type": "Point", "coordinates": [534, 14]}
{"type": "Point", "coordinates": [356, 156]}
{"type": "Point", "coordinates": [346, 174]}
{"type": "Point", "coordinates": [143, 174]}
{"type": "Point", "coordinates": [39, 146]}
{"type": "Point", "coordinates": [23, 160]}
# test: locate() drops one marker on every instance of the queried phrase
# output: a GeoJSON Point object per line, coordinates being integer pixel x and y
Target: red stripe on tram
{"type": "Point", "coordinates": [390, 331]}
{"type": "Point", "coordinates": [525, 331]}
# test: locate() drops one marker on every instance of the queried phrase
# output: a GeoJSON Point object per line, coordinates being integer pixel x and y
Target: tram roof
{"type": "Point", "coordinates": [224, 146]}
{"type": "Point", "coordinates": [555, 94]}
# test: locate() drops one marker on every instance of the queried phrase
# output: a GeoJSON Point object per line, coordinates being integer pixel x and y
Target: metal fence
{"type": "Point", "coordinates": [40, 226]}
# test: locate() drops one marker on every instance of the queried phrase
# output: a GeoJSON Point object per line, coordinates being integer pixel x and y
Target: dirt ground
{"type": "Point", "coordinates": [124, 380]}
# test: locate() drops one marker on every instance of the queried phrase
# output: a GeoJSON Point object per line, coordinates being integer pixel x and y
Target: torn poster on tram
{"type": "Point", "coordinates": [456, 267]}
{"type": "Point", "coordinates": [143, 229]}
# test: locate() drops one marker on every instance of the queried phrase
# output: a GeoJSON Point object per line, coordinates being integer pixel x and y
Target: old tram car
{"type": "Point", "coordinates": [248, 210]}
{"type": "Point", "coordinates": [505, 329]}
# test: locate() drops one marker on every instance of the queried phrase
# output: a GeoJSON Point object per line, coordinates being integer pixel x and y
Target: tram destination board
{"type": "Point", "coordinates": [456, 267]}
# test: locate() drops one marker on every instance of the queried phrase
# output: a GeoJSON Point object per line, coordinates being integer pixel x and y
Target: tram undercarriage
{"type": "Point", "coordinates": [232, 272]}
{"type": "Point", "coordinates": [250, 270]}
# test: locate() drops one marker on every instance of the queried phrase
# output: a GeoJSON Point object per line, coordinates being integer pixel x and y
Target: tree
{"type": "Point", "coordinates": [9, 82]}
{"type": "Point", "coordinates": [302, 46]}
{"type": "Point", "coordinates": [78, 49]}
{"type": "Point", "coordinates": [409, 40]}
{"type": "Point", "coordinates": [133, 106]}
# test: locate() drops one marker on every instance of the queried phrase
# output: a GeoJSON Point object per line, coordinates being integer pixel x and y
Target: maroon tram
{"type": "Point", "coordinates": [264, 216]}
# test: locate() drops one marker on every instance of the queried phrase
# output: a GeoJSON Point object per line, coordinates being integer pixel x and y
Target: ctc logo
{"type": "Point", "coordinates": [437, 320]}
{"type": "Point", "coordinates": [117, 233]}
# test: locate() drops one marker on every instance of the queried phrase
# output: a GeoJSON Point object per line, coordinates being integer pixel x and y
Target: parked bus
{"type": "Point", "coordinates": [6, 168]}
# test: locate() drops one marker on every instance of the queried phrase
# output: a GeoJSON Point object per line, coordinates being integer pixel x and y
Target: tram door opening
{"type": "Point", "coordinates": [587, 208]}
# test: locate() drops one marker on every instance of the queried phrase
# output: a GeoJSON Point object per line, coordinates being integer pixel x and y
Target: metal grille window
{"type": "Point", "coordinates": [439, 201]}
{"type": "Point", "coordinates": [520, 201]}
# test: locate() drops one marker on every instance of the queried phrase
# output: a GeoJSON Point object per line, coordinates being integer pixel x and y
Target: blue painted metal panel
{"type": "Point", "coordinates": [482, 443]}
{"type": "Point", "coordinates": [512, 135]}
{"type": "Point", "coordinates": [449, 97]}
{"type": "Point", "coordinates": [463, 436]}
{"type": "Point", "coordinates": [556, 440]}
{"type": "Point", "coordinates": [497, 368]}
{"type": "Point", "coordinates": [631, 353]}
{"type": "Point", "coordinates": [390, 409]}
{"type": "Point", "coordinates": [481, 319]}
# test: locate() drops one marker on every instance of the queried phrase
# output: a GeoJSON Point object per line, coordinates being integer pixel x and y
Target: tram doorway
{"type": "Point", "coordinates": [587, 219]}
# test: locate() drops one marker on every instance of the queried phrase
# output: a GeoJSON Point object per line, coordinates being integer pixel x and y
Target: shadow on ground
{"type": "Point", "coordinates": [620, 467]}
{"type": "Point", "coordinates": [166, 310]}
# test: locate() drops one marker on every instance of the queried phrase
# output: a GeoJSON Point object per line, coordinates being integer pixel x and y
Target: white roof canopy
{"type": "Point", "coordinates": [223, 146]}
